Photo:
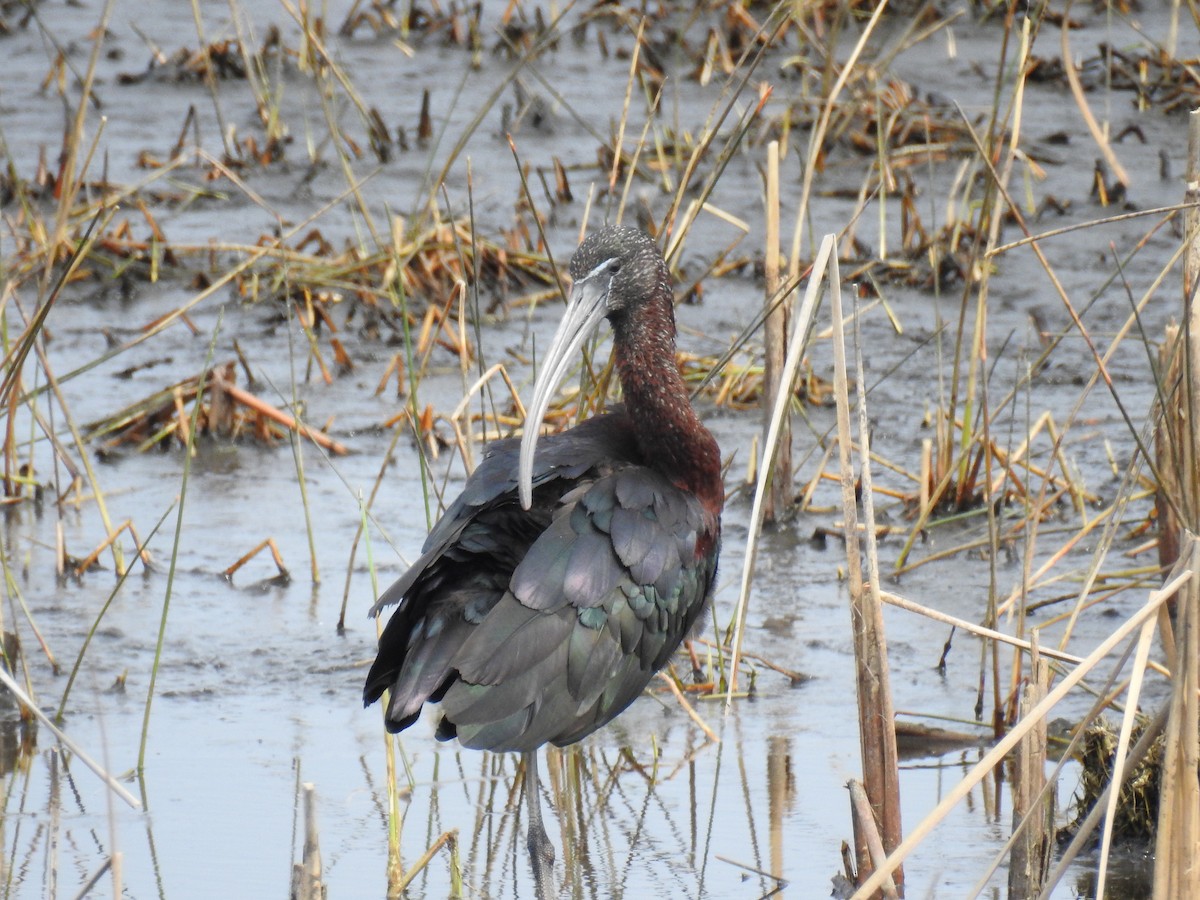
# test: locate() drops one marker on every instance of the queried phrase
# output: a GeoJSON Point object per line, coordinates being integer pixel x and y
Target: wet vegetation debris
{"type": "Point", "coordinates": [1136, 813]}
{"type": "Point", "coordinates": [1158, 80]}
{"type": "Point", "coordinates": [225, 60]}
{"type": "Point", "coordinates": [226, 412]}
{"type": "Point", "coordinates": [430, 266]}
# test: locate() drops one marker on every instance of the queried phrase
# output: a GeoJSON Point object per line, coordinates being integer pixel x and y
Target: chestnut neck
{"type": "Point", "coordinates": [669, 434]}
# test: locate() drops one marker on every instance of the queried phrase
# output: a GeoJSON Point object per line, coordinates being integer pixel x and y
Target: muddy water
{"type": "Point", "coordinates": [257, 691]}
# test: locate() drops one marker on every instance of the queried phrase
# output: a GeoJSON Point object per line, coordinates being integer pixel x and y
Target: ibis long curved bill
{"type": "Point", "coordinates": [586, 309]}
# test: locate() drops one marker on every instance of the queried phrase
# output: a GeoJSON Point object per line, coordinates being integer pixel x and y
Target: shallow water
{"type": "Point", "coordinates": [257, 690]}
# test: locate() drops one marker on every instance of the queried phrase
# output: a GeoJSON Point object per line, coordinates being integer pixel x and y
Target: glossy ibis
{"type": "Point", "coordinates": [571, 566]}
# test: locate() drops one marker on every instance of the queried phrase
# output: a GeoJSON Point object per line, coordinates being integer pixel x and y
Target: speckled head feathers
{"type": "Point", "coordinates": [640, 274]}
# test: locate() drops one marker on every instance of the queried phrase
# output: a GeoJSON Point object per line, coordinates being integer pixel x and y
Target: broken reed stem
{"type": "Point", "coordinates": [866, 831]}
{"type": "Point", "coordinates": [71, 171]}
{"type": "Point", "coordinates": [775, 346]}
{"type": "Point", "coordinates": [306, 874]}
{"type": "Point", "coordinates": [87, 562]}
{"type": "Point", "coordinates": [448, 839]}
{"type": "Point", "coordinates": [210, 78]}
{"type": "Point", "coordinates": [688, 708]}
{"type": "Point", "coordinates": [1034, 845]}
{"type": "Point", "coordinates": [876, 719]}
{"type": "Point", "coordinates": [84, 456]}
{"type": "Point", "coordinates": [1170, 431]}
{"type": "Point", "coordinates": [275, 554]}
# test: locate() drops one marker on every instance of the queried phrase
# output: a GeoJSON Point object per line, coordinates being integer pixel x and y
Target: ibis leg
{"type": "Point", "coordinates": [541, 851]}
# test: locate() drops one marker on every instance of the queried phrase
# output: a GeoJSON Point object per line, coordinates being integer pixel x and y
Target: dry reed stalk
{"type": "Point", "coordinates": [1098, 134]}
{"type": "Point", "coordinates": [1177, 843]}
{"type": "Point", "coordinates": [1172, 434]}
{"type": "Point", "coordinates": [268, 411]}
{"type": "Point", "coordinates": [112, 783]}
{"type": "Point", "coordinates": [925, 479]}
{"type": "Point", "coordinates": [775, 341]}
{"type": "Point", "coordinates": [69, 180]}
{"type": "Point", "coordinates": [14, 363]}
{"type": "Point", "coordinates": [84, 456]}
{"type": "Point", "coordinates": [796, 347]}
{"type": "Point", "coordinates": [876, 717]}
{"type": "Point", "coordinates": [1169, 433]}
{"type": "Point", "coordinates": [1071, 752]}
{"type": "Point", "coordinates": [395, 812]}
{"type": "Point", "coordinates": [651, 117]}
{"type": "Point", "coordinates": [1104, 517]}
{"type": "Point", "coordinates": [624, 120]}
{"type": "Point", "coordinates": [567, 773]}
{"type": "Point", "coordinates": [817, 136]}
{"type": "Point", "coordinates": [1164, 211]}
{"type": "Point", "coordinates": [53, 839]}
{"type": "Point", "coordinates": [1034, 846]}
{"type": "Point", "coordinates": [973, 628]}
{"type": "Point", "coordinates": [957, 464]}
{"type": "Point", "coordinates": [459, 419]}
{"type": "Point", "coordinates": [1121, 754]}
